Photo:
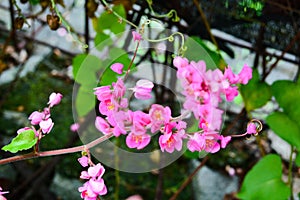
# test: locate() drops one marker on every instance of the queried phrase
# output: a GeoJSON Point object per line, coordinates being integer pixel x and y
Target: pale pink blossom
{"type": "Point", "coordinates": [23, 129]}
{"type": "Point", "coordinates": [74, 127]}
{"type": "Point", "coordinates": [1, 194]}
{"type": "Point", "coordinates": [117, 67]}
{"type": "Point", "coordinates": [140, 120]}
{"type": "Point", "coordinates": [159, 115]}
{"type": "Point", "coordinates": [136, 36]}
{"type": "Point", "coordinates": [54, 99]}
{"type": "Point", "coordinates": [84, 161]}
{"type": "Point", "coordinates": [36, 117]}
{"type": "Point", "coordinates": [137, 141]}
{"type": "Point", "coordinates": [143, 89]}
{"type": "Point", "coordinates": [46, 125]}
{"type": "Point", "coordinates": [134, 197]}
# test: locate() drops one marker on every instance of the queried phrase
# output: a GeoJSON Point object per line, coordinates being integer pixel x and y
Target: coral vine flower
{"type": "Point", "coordinates": [207, 141]}
{"type": "Point", "coordinates": [136, 36]}
{"type": "Point", "coordinates": [46, 125]}
{"type": "Point", "coordinates": [159, 115]}
{"type": "Point", "coordinates": [172, 139]}
{"type": "Point", "coordinates": [84, 161]}
{"type": "Point", "coordinates": [102, 125]}
{"type": "Point", "coordinates": [95, 185]}
{"type": "Point", "coordinates": [74, 127]}
{"type": "Point", "coordinates": [36, 117]}
{"type": "Point", "coordinates": [251, 128]}
{"type": "Point", "coordinates": [137, 141]}
{"type": "Point", "coordinates": [54, 99]}
{"type": "Point", "coordinates": [117, 67]}
{"type": "Point", "coordinates": [142, 89]}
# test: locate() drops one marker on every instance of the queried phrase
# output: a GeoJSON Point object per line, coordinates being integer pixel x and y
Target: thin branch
{"type": "Point", "coordinates": [290, 45]}
{"type": "Point", "coordinates": [207, 26]}
{"type": "Point", "coordinates": [56, 152]}
{"type": "Point", "coordinates": [189, 179]}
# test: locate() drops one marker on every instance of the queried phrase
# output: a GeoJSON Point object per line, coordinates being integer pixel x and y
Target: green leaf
{"type": "Point", "coordinates": [108, 20]}
{"type": "Point", "coordinates": [264, 182]}
{"type": "Point", "coordinates": [24, 140]}
{"type": "Point", "coordinates": [198, 50]}
{"type": "Point", "coordinates": [287, 94]}
{"type": "Point", "coordinates": [285, 128]}
{"type": "Point", "coordinates": [102, 40]}
{"type": "Point", "coordinates": [256, 93]}
{"type": "Point", "coordinates": [85, 100]}
{"type": "Point", "coordinates": [85, 68]}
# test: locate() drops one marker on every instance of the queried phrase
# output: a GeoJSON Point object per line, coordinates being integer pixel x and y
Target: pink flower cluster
{"type": "Point", "coordinates": [94, 186]}
{"type": "Point", "coordinates": [43, 118]}
{"type": "Point", "coordinates": [203, 90]}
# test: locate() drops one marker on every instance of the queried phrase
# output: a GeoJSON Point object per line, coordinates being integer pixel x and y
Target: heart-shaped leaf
{"type": "Point", "coordinates": [285, 128]}
{"type": "Point", "coordinates": [24, 140]}
{"type": "Point", "coordinates": [264, 182]}
{"type": "Point", "coordinates": [287, 94]}
{"type": "Point", "coordinates": [255, 93]}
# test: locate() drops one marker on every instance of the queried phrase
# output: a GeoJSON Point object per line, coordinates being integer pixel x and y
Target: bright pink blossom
{"type": "Point", "coordinates": [224, 140]}
{"type": "Point", "coordinates": [136, 36]}
{"type": "Point", "coordinates": [143, 89]}
{"type": "Point", "coordinates": [54, 99]}
{"type": "Point", "coordinates": [102, 125]}
{"type": "Point", "coordinates": [205, 141]}
{"type": "Point", "coordinates": [251, 128]}
{"type": "Point", "coordinates": [46, 125]}
{"type": "Point", "coordinates": [92, 188]}
{"type": "Point", "coordinates": [137, 141]}
{"type": "Point", "coordinates": [84, 161]}
{"type": "Point", "coordinates": [103, 93]}
{"type": "Point", "coordinates": [140, 120]}
{"type": "Point", "coordinates": [117, 67]}
{"type": "Point", "coordinates": [245, 75]}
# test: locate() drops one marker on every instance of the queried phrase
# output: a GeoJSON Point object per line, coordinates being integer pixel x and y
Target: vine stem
{"type": "Point", "coordinates": [131, 62]}
{"type": "Point", "coordinates": [56, 152]}
{"type": "Point", "coordinates": [189, 179]}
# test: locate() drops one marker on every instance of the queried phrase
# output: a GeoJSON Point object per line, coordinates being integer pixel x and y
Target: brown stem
{"type": "Point", "coordinates": [56, 152]}
{"type": "Point", "coordinates": [189, 179]}
{"type": "Point", "coordinates": [206, 24]}
{"type": "Point", "coordinates": [131, 62]}
{"type": "Point", "coordinates": [291, 44]}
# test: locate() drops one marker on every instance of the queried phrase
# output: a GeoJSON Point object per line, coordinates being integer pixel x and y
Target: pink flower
{"type": "Point", "coordinates": [92, 188]}
{"type": "Point", "coordinates": [245, 75]}
{"type": "Point", "coordinates": [103, 93]}
{"type": "Point", "coordinates": [74, 127]}
{"type": "Point", "coordinates": [36, 117]}
{"type": "Point", "coordinates": [107, 106]}
{"type": "Point", "coordinates": [180, 62]}
{"type": "Point", "coordinates": [232, 78]}
{"type": "Point", "coordinates": [54, 99]}
{"type": "Point", "coordinates": [1, 194]}
{"type": "Point", "coordinates": [196, 143]}
{"type": "Point", "coordinates": [251, 128]}
{"type": "Point", "coordinates": [224, 140]}
{"type": "Point", "coordinates": [143, 89]}
{"type": "Point", "coordinates": [102, 125]}
{"type": "Point", "coordinates": [206, 141]}
{"type": "Point", "coordinates": [159, 115]}
{"type": "Point", "coordinates": [46, 125]}
{"type": "Point", "coordinates": [84, 161]}
{"type": "Point", "coordinates": [117, 67]}
{"type": "Point", "coordinates": [170, 142]}
{"type": "Point", "coordinates": [136, 36]}
{"type": "Point", "coordinates": [137, 141]}
{"type": "Point", "coordinates": [231, 93]}
{"type": "Point", "coordinates": [140, 121]}
{"type": "Point", "coordinates": [119, 88]}
{"type": "Point", "coordinates": [95, 172]}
